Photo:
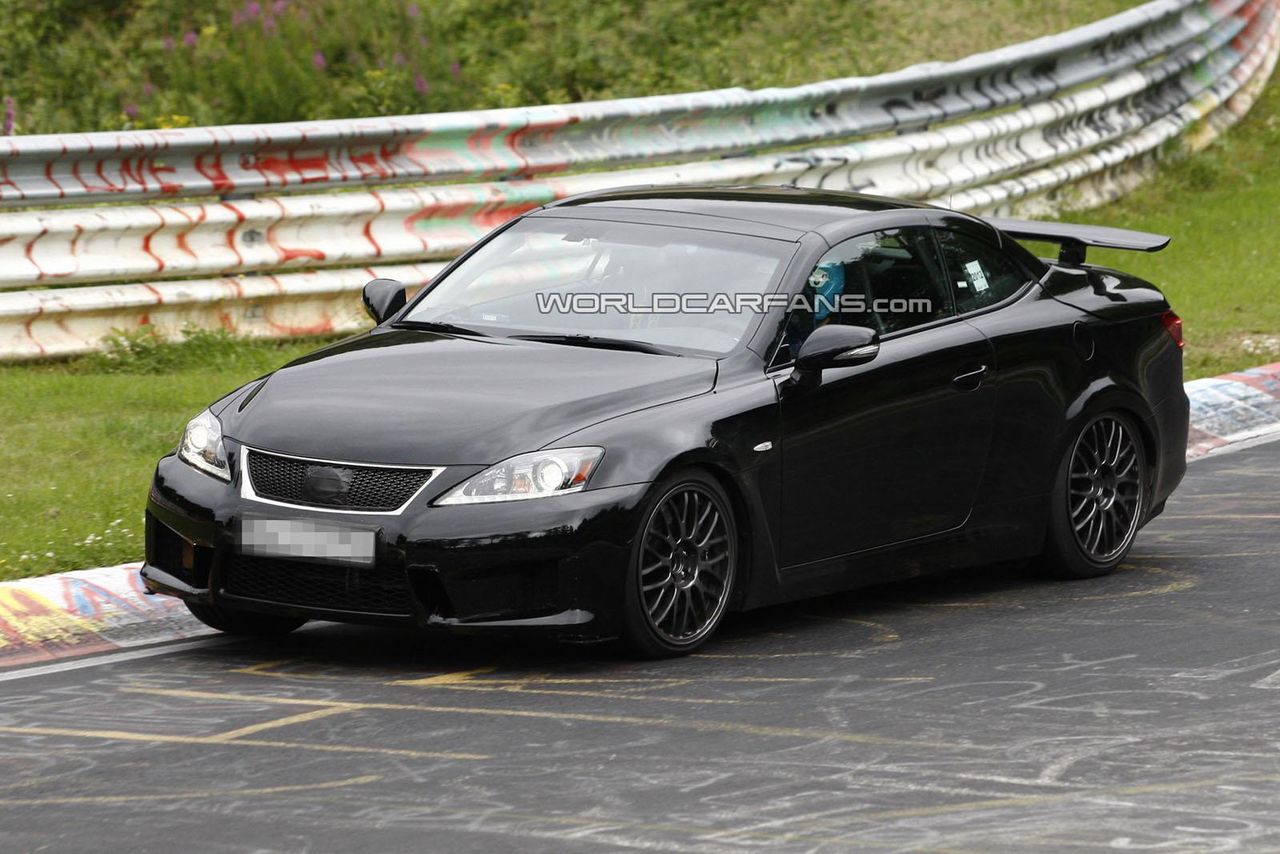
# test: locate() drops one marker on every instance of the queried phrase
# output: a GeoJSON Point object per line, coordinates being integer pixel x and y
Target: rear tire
{"type": "Point", "coordinates": [683, 566]}
{"type": "Point", "coordinates": [1099, 498]}
{"type": "Point", "coordinates": [245, 623]}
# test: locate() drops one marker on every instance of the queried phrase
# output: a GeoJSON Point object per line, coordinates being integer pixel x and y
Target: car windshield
{"type": "Point", "coordinates": [589, 282]}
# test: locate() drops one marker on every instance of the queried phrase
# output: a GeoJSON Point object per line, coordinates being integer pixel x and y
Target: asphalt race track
{"type": "Point", "coordinates": [976, 711]}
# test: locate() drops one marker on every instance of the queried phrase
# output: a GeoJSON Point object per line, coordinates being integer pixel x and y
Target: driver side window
{"type": "Point", "coordinates": [887, 281]}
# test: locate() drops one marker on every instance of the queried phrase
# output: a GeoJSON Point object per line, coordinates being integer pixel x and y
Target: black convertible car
{"type": "Point", "coordinates": [623, 414]}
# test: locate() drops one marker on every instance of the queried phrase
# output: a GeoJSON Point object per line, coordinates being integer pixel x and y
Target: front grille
{"type": "Point", "coordinates": [313, 483]}
{"type": "Point", "coordinates": [366, 590]}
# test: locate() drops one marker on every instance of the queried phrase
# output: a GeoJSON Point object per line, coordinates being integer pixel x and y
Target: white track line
{"type": "Point", "coordinates": [110, 658]}
{"type": "Point", "coordinates": [1269, 433]}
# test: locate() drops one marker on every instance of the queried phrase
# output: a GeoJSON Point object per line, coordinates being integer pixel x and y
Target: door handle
{"type": "Point", "coordinates": [970, 380]}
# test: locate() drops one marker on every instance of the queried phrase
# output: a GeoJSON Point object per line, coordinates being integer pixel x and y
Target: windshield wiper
{"type": "Point", "coordinates": [599, 343]}
{"type": "Point", "coordinates": [438, 326]}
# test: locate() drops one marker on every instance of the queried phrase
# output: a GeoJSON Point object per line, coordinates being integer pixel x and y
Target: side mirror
{"type": "Point", "coordinates": [837, 347]}
{"type": "Point", "coordinates": [383, 298]}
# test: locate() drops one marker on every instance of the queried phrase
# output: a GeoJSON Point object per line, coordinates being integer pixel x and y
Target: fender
{"type": "Point", "coordinates": [1106, 394]}
{"type": "Point", "coordinates": [1103, 292]}
{"type": "Point", "coordinates": [719, 432]}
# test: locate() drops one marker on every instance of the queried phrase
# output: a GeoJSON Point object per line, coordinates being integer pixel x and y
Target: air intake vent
{"type": "Point", "coordinates": [365, 590]}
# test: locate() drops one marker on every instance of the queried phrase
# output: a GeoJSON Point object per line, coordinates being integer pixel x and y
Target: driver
{"type": "Point", "coordinates": [822, 294]}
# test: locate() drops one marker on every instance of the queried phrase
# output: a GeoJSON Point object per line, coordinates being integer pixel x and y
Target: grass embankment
{"type": "Point", "coordinates": [79, 65]}
{"type": "Point", "coordinates": [79, 440]}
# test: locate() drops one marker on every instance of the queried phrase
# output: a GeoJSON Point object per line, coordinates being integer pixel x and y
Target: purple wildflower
{"type": "Point", "coordinates": [398, 58]}
{"type": "Point", "coordinates": [268, 24]}
{"type": "Point", "coordinates": [148, 89]}
{"type": "Point", "coordinates": [318, 60]}
{"type": "Point", "coordinates": [279, 6]}
{"type": "Point", "coordinates": [189, 38]}
{"type": "Point", "coordinates": [455, 68]}
{"type": "Point", "coordinates": [130, 109]}
{"type": "Point", "coordinates": [252, 9]}
{"type": "Point", "coordinates": [412, 10]}
{"type": "Point", "coordinates": [420, 83]}
{"type": "Point", "coordinates": [10, 114]}
{"type": "Point", "coordinates": [169, 43]}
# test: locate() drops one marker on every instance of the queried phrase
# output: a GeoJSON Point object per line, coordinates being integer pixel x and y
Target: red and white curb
{"type": "Point", "coordinates": [1233, 408]}
{"type": "Point", "coordinates": [86, 611]}
{"type": "Point", "coordinates": [106, 609]}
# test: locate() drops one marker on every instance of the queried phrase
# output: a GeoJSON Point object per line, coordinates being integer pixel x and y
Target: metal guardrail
{"type": "Point", "coordinates": [1067, 120]}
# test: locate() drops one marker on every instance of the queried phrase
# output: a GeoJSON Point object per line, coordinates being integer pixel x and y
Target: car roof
{"type": "Point", "coordinates": [777, 212]}
{"type": "Point", "coordinates": [798, 209]}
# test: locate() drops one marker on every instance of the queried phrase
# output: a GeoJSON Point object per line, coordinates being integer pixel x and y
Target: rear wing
{"type": "Point", "coordinates": [1073, 240]}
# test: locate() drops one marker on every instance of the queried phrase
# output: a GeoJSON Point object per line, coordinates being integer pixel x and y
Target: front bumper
{"type": "Point", "coordinates": [555, 565]}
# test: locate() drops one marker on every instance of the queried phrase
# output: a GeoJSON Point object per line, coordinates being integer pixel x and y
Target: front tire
{"type": "Point", "coordinates": [683, 566]}
{"type": "Point", "coordinates": [1099, 497]}
{"type": "Point", "coordinates": [245, 623]}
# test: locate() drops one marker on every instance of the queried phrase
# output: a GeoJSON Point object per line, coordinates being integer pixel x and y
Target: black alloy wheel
{"type": "Point", "coordinates": [684, 567]}
{"type": "Point", "coordinates": [1100, 498]}
{"type": "Point", "coordinates": [1105, 485]}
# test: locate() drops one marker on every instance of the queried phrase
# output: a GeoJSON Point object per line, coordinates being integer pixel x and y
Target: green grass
{"type": "Point", "coordinates": [79, 65]}
{"type": "Point", "coordinates": [1221, 273]}
{"type": "Point", "coordinates": [80, 440]}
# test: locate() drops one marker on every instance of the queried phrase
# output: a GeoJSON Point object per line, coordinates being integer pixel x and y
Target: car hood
{"type": "Point", "coordinates": [413, 397]}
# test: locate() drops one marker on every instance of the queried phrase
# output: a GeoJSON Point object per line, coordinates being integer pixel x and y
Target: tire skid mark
{"type": "Point", "coordinates": [362, 780]}
{"type": "Point", "coordinates": [123, 735]}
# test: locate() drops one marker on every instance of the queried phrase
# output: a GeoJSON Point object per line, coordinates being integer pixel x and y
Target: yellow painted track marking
{"type": "Point", "coordinates": [1177, 581]}
{"type": "Point", "coordinates": [447, 678]}
{"type": "Point", "coordinates": [1180, 580]}
{"type": "Point", "coordinates": [624, 720]}
{"type": "Point", "coordinates": [521, 688]}
{"type": "Point", "coordinates": [617, 688]}
{"type": "Point", "coordinates": [646, 682]}
{"type": "Point", "coordinates": [304, 717]}
{"type": "Point", "coordinates": [880, 632]}
{"type": "Point", "coordinates": [464, 680]}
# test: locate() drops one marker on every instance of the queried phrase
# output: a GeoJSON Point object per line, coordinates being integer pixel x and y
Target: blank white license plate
{"type": "Point", "coordinates": [308, 540]}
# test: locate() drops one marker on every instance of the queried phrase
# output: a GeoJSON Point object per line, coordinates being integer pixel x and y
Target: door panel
{"type": "Point", "coordinates": [889, 450]}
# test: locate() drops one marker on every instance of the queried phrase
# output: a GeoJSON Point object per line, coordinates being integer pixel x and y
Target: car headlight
{"type": "Point", "coordinates": [540, 474]}
{"type": "Point", "coordinates": [201, 446]}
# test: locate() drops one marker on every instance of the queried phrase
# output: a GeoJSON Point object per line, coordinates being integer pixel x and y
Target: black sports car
{"type": "Point", "coordinates": [623, 414]}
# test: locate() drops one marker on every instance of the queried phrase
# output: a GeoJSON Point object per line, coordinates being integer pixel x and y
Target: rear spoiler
{"type": "Point", "coordinates": [1073, 239]}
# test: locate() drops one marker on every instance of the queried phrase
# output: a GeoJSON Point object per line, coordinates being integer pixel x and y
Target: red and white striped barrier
{"type": "Point", "coordinates": [1072, 119]}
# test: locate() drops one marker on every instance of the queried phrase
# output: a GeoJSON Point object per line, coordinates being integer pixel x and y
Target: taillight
{"type": "Point", "coordinates": [1173, 325]}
